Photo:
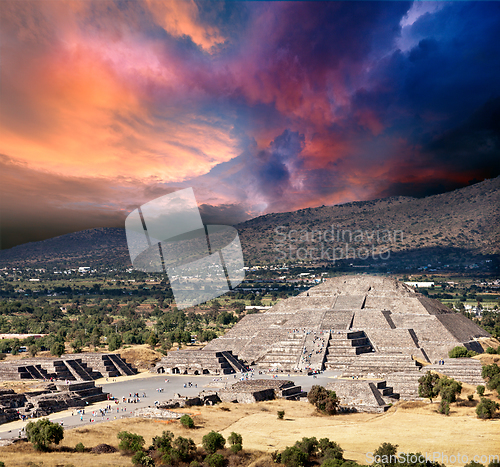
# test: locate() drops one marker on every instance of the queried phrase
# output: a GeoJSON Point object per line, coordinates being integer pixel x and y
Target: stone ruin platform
{"type": "Point", "coordinates": [199, 362]}
{"type": "Point", "coordinates": [364, 395]}
{"type": "Point", "coordinates": [54, 398]}
{"type": "Point", "coordinates": [247, 392]}
{"type": "Point", "coordinates": [364, 326]}
{"type": "Point", "coordinates": [73, 367]}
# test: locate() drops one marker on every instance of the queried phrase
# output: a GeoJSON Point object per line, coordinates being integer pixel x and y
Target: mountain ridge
{"type": "Point", "coordinates": [463, 220]}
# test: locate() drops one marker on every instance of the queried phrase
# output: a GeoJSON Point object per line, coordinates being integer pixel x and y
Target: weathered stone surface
{"type": "Point", "coordinates": [157, 413]}
{"type": "Point", "coordinates": [363, 395]}
{"type": "Point", "coordinates": [248, 392]}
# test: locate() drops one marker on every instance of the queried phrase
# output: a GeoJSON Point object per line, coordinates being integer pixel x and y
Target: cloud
{"type": "Point", "coordinates": [260, 106]}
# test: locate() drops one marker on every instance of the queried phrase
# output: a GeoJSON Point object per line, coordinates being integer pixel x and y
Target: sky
{"type": "Point", "coordinates": [261, 107]}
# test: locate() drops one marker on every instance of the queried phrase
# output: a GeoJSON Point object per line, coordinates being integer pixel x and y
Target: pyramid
{"type": "Point", "coordinates": [360, 325]}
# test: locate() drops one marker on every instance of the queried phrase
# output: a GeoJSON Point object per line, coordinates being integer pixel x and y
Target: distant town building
{"type": "Point", "coordinates": [420, 284]}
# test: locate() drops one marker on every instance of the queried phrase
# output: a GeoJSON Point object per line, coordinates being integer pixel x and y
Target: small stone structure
{"type": "Point", "coordinates": [364, 395]}
{"type": "Point", "coordinates": [199, 362]}
{"type": "Point", "coordinates": [73, 367]}
{"type": "Point", "coordinates": [248, 392]}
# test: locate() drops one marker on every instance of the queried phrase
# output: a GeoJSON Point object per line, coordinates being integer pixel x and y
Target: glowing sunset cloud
{"type": "Point", "coordinates": [260, 106]}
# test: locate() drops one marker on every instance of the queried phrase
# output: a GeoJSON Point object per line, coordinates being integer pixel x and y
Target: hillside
{"type": "Point", "coordinates": [455, 227]}
{"type": "Point", "coordinates": [462, 224]}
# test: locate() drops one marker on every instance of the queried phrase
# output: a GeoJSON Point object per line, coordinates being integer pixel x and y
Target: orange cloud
{"type": "Point", "coordinates": [74, 102]}
{"type": "Point", "coordinates": [181, 18]}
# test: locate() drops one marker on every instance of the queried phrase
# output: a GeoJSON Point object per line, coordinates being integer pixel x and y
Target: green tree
{"type": "Point", "coordinates": [449, 389]}
{"type": "Point", "coordinates": [489, 371]}
{"type": "Point", "coordinates": [57, 349]}
{"type": "Point", "coordinates": [114, 342]}
{"type": "Point", "coordinates": [152, 340]}
{"type": "Point", "coordinates": [184, 449]}
{"type": "Point", "coordinates": [486, 408]}
{"type": "Point", "coordinates": [385, 455]}
{"type": "Point", "coordinates": [43, 432]}
{"type": "Point", "coordinates": [235, 438]}
{"type": "Point", "coordinates": [326, 401]}
{"type": "Point", "coordinates": [130, 442]}
{"type": "Point", "coordinates": [292, 456]}
{"type": "Point", "coordinates": [444, 407]}
{"type": "Point", "coordinates": [76, 345]}
{"type": "Point", "coordinates": [213, 441]}
{"type": "Point", "coordinates": [428, 386]}
{"type": "Point", "coordinates": [458, 352]}
{"type": "Point", "coordinates": [330, 449]}
{"type": "Point", "coordinates": [33, 350]}
{"type": "Point", "coordinates": [215, 460]}
{"type": "Point", "coordinates": [480, 390]}
{"type": "Point", "coordinates": [308, 445]}
{"type": "Point", "coordinates": [236, 448]}
{"type": "Point", "coordinates": [494, 382]}
{"type": "Point", "coordinates": [187, 421]}
{"type": "Point", "coordinates": [281, 414]}
{"type": "Point", "coordinates": [163, 443]}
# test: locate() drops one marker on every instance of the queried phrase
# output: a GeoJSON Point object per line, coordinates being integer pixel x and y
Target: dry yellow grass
{"type": "Point", "coordinates": [140, 356]}
{"type": "Point", "coordinates": [414, 426]}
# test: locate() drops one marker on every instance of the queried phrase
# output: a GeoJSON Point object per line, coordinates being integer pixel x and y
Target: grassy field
{"type": "Point", "coordinates": [413, 426]}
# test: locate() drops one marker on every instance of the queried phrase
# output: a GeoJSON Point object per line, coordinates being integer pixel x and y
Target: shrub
{"type": "Point", "coordinates": [325, 401]}
{"type": "Point", "coordinates": [494, 382]}
{"type": "Point", "coordinates": [448, 389]}
{"type": "Point", "coordinates": [330, 449]}
{"type": "Point", "coordinates": [235, 438]}
{"type": "Point", "coordinates": [184, 449]}
{"type": "Point", "coordinates": [187, 421]}
{"type": "Point", "coordinates": [480, 389]}
{"type": "Point", "coordinates": [428, 386]}
{"type": "Point", "coordinates": [43, 432]}
{"type": "Point", "coordinates": [215, 460]}
{"type": "Point", "coordinates": [80, 447]}
{"type": "Point", "coordinates": [57, 349]}
{"type": "Point", "coordinates": [474, 464]}
{"type": "Point", "coordinates": [194, 464]}
{"type": "Point", "coordinates": [491, 350]}
{"type": "Point", "coordinates": [458, 352]}
{"type": "Point", "coordinates": [308, 445]}
{"type": "Point", "coordinates": [281, 414]}
{"type": "Point", "coordinates": [163, 443]}
{"type": "Point", "coordinates": [470, 397]}
{"type": "Point", "coordinates": [213, 441]}
{"type": "Point", "coordinates": [236, 447]}
{"type": "Point", "coordinates": [2, 464]}
{"type": "Point", "coordinates": [385, 454]}
{"type": "Point", "coordinates": [142, 458]}
{"type": "Point", "coordinates": [130, 442]}
{"type": "Point", "coordinates": [489, 371]}
{"type": "Point", "coordinates": [293, 457]}
{"type": "Point", "coordinates": [493, 463]}
{"type": "Point", "coordinates": [486, 408]}
{"type": "Point", "coordinates": [444, 407]}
